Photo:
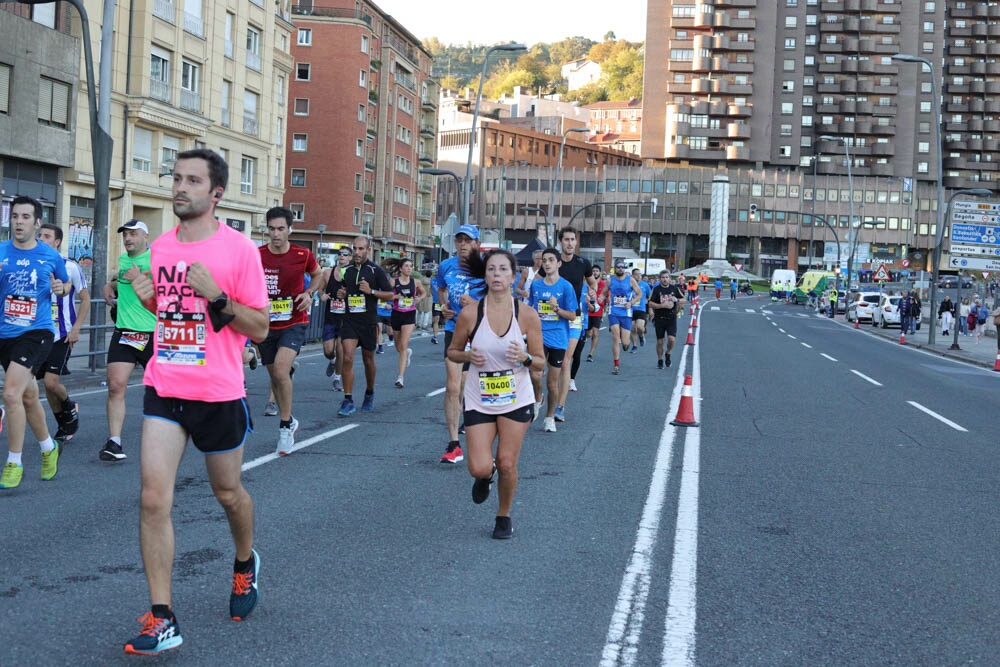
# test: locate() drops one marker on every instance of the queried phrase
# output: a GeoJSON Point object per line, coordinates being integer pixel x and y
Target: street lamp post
{"type": "Point", "coordinates": [431, 171]}
{"type": "Point", "coordinates": [812, 227]}
{"type": "Point", "coordinates": [939, 236]}
{"type": "Point", "coordinates": [550, 225]}
{"type": "Point", "coordinates": [475, 119]}
{"type": "Point", "coordinates": [850, 225]}
{"type": "Point", "coordinates": [320, 228]}
{"type": "Point", "coordinates": [976, 192]}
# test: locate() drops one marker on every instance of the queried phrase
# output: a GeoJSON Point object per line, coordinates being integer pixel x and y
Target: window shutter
{"type": "Point", "coordinates": [4, 87]}
{"type": "Point", "coordinates": [45, 100]}
{"type": "Point", "coordinates": [60, 103]}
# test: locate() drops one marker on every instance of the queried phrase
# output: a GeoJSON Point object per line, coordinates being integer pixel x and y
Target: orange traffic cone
{"type": "Point", "coordinates": [694, 320]}
{"type": "Point", "coordinates": [758, 296]}
{"type": "Point", "coordinates": [902, 337]}
{"type": "Point", "coordinates": [996, 365]}
{"type": "Point", "coordinates": [685, 411]}
{"type": "Point", "coordinates": [690, 339]}
{"type": "Point", "coordinates": [857, 322]}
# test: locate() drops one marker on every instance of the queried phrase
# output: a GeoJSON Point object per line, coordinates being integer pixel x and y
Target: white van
{"type": "Point", "coordinates": [782, 282]}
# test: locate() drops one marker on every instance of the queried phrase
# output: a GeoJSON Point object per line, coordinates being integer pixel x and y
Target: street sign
{"type": "Point", "coordinates": [881, 274]}
{"type": "Point", "coordinates": [982, 263]}
{"type": "Point", "coordinates": [738, 267]}
{"type": "Point", "coordinates": [906, 263]}
{"type": "Point", "coordinates": [986, 275]}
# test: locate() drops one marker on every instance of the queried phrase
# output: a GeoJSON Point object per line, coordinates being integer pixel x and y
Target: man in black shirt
{"type": "Point", "coordinates": [666, 302]}
{"type": "Point", "coordinates": [364, 284]}
{"type": "Point", "coordinates": [576, 270]}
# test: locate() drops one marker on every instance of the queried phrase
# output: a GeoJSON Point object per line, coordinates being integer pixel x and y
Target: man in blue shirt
{"type": "Point", "coordinates": [639, 314]}
{"type": "Point", "coordinates": [623, 293]}
{"type": "Point", "coordinates": [455, 289]}
{"type": "Point", "coordinates": [554, 299]}
{"type": "Point", "coordinates": [30, 273]}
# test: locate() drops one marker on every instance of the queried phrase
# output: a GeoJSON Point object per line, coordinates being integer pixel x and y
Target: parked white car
{"type": "Point", "coordinates": [862, 306]}
{"type": "Point", "coordinates": [887, 312]}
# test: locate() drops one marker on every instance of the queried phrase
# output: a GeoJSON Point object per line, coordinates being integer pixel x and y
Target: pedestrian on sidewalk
{"type": "Point", "coordinates": [963, 316]}
{"type": "Point", "coordinates": [905, 305]}
{"type": "Point", "coordinates": [980, 312]}
{"type": "Point", "coordinates": [946, 313]}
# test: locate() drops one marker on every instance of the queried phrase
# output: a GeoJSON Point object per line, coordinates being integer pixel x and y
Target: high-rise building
{"type": "Point", "coordinates": [361, 126]}
{"type": "Point", "coordinates": [184, 74]}
{"type": "Point", "coordinates": [746, 83]}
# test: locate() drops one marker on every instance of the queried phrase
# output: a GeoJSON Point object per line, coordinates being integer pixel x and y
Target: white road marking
{"type": "Point", "coordinates": [781, 330]}
{"type": "Point", "coordinates": [792, 337]}
{"type": "Point", "coordinates": [622, 641]}
{"type": "Point", "coordinates": [299, 445]}
{"type": "Point", "coordinates": [823, 354]}
{"type": "Point", "coordinates": [436, 392]}
{"type": "Point", "coordinates": [774, 324]}
{"type": "Point", "coordinates": [679, 636]}
{"type": "Point", "coordinates": [865, 377]}
{"type": "Point", "coordinates": [941, 419]}
{"type": "Point", "coordinates": [803, 315]}
{"type": "Point", "coordinates": [806, 345]}
{"type": "Point", "coordinates": [750, 310]}
{"type": "Point", "coordinates": [714, 308]}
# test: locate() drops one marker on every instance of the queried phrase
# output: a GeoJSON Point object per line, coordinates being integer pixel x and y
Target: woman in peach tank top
{"type": "Point", "coordinates": [506, 342]}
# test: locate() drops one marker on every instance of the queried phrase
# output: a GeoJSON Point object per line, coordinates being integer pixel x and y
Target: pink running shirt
{"type": "Point", "coordinates": [190, 360]}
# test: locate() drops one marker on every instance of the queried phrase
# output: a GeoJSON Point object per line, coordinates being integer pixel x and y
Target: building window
{"type": "Point", "coordinates": [253, 48]}
{"type": "Point", "coordinates": [279, 84]}
{"type": "Point", "coordinates": [302, 71]}
{"type": "Point", "coordinates": [142, 150]}
{"type": "Point", "coordinates": [788, 86]}
{"type": "Point", "coordinates": [277, 172]}
{"type": "Point", "coordinates": [248, 169]}
{"type": "Point", "coordinates": [298, 211]}
{"type": "Point", "coordinates": [168, 151]}
{"type": "Point", "coordinates": [305, 37]}
{"type": "Point", "coordinates": [785, 151]}
{"type": "Point", "coordinates": [929, 26]}
{"type": "Point", "coordinates": [363, 78]}
{"type": "Point", "coordinates": [230, 21]}
{"type": "Point", "coordinates": [789, 42]}
{"type": "Point", "coordinates": [250, 104]}
{"type": "Point", "coordinates": [921, 167]}
{"type": "Point", "coordinates": [786, 130]}
{"type": "Point", "coordinates": [787, 108]}
{"type": "Point", "coordinates": [279, 130]}
{"type": "Point", "coordinates": [923, 147]}
{"type": "Point", "coordinates": [791, 21]}
{"type": "Point", "coordinates": [357, 182]}
{"type": "Point", "coordinates": [925, 107]}
{"type": "Point", "coordinates": [226, 94]}
{"type": "Point", "coordinates": [190, 75]}
{"type": "Point", "coordinates": [298, 178]}
{"type": "Point", "coordinates": [301, 106]}
{"type": "Point", "coordinates": [53, 102]}
{"type": "Point", "coordinates": [359, 148]}
{"type": "Point", "coordinates": [4, 88]}
{"type": "Point", "coordinates": [159, 74]}
{"type": "Point", "coordinates": [788, 65]}
{"type": "Point", "coordinates": [364, 43]}
{"type": "Point", "coordinates": [362, 113]}
{"type": "Point", "coordinates": [300, 142]}
{"type": "Point", "coordinates": [192, 18]}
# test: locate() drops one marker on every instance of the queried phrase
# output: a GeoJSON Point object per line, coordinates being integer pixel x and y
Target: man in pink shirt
{"type": "Point", "coordinates": [208, 292]}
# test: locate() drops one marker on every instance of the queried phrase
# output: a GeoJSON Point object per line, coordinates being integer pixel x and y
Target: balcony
{"type": "Point", "coordinates": [159, 90]}
{"type": "Point", "coordinates": [678, 151]}
{"type": "Point", "coordinates": [164, 9]}
{"type": "Point", "coordinates": [426, 157]}
{"type": "Point", "coordinates": [426, 130]}
{"type": "Point", "coordinates": [190, 100]}
{"type": "Point", "coordinates": [424, 213]}
{"type": "Point", "coordinates": [194, 25]}
{"type": "Point", "coordinates": [738, 153]}
{"type": "Point", "coordinates": [424, 185]}
{"type": "Point", "coordinates": [428, 103]}
{"type": "Point", "coordinates": [738, 130]}
{"type": "Point", "coordinates": [370, 161]}
{"type": "Point", "coordinates": [369, 198]}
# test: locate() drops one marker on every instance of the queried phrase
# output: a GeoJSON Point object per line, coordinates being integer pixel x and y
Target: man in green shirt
{"type": "Point", "coordinates": [131, 342]}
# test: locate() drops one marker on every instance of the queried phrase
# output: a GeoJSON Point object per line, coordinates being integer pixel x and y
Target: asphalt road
{"type": "Point", "coordinates": [774, 533]}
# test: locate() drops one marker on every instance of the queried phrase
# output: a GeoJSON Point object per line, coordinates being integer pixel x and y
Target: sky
{"type": "Point", "coordinates": [530, 21]}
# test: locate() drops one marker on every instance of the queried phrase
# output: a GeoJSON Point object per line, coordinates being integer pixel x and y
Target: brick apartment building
{"type": "Point", "coordinates": [616, 125]}
{"type": "Point", "coordinates": [361, 124]}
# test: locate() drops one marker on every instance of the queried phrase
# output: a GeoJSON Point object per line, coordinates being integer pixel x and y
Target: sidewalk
{"type": "Point", "coordinates": [983, 354]}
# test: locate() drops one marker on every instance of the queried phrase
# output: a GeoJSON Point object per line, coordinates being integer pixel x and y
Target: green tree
{"type": "Point", "coordinates": [569, 49]}
{"type": "Point", "coordinates": [621, 73]}
{"type": "Point", "coordinates": [589, 94]}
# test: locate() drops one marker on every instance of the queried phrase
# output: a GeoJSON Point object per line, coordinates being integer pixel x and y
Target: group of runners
{"type": "Point", "coordinates": [193, 303]}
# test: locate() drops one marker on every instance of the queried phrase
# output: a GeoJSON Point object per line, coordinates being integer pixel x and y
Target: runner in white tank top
{"type": "Point", "coordinates": [506, 341]}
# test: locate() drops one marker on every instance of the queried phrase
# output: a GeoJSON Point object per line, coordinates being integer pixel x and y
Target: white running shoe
{"type": "Point", "coordinates": [286, 438]}
{"type": "Point", "coordinates": [550, 425]}
{"type": "Point", "coordinates": [399, 382]}
{"type": "Point", "coordinates": [538, 410]}
{"type": "Point", "coordinates": [572, 385]}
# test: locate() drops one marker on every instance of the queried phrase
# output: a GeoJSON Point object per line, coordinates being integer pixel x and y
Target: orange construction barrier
{"type": "Point", "coordinates": [685, 411]}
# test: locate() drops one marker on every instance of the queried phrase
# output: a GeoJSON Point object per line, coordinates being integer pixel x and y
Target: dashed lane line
{"type": "Point", "coordinates": [943, 420]}
{"type": "Point", "coordinates": [249, 465]}
{"type": "Point", "coordinates": [824, 354]}
{"type": "Point", "coordinates": [866, 378]}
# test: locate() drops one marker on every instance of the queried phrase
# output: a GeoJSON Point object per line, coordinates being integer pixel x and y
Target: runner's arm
{"type": "Point", "coordinates": [82, 313]}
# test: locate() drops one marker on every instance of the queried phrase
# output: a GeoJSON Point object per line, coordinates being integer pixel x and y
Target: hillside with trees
{"type": "Point", "coordinates": [540, 68]}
